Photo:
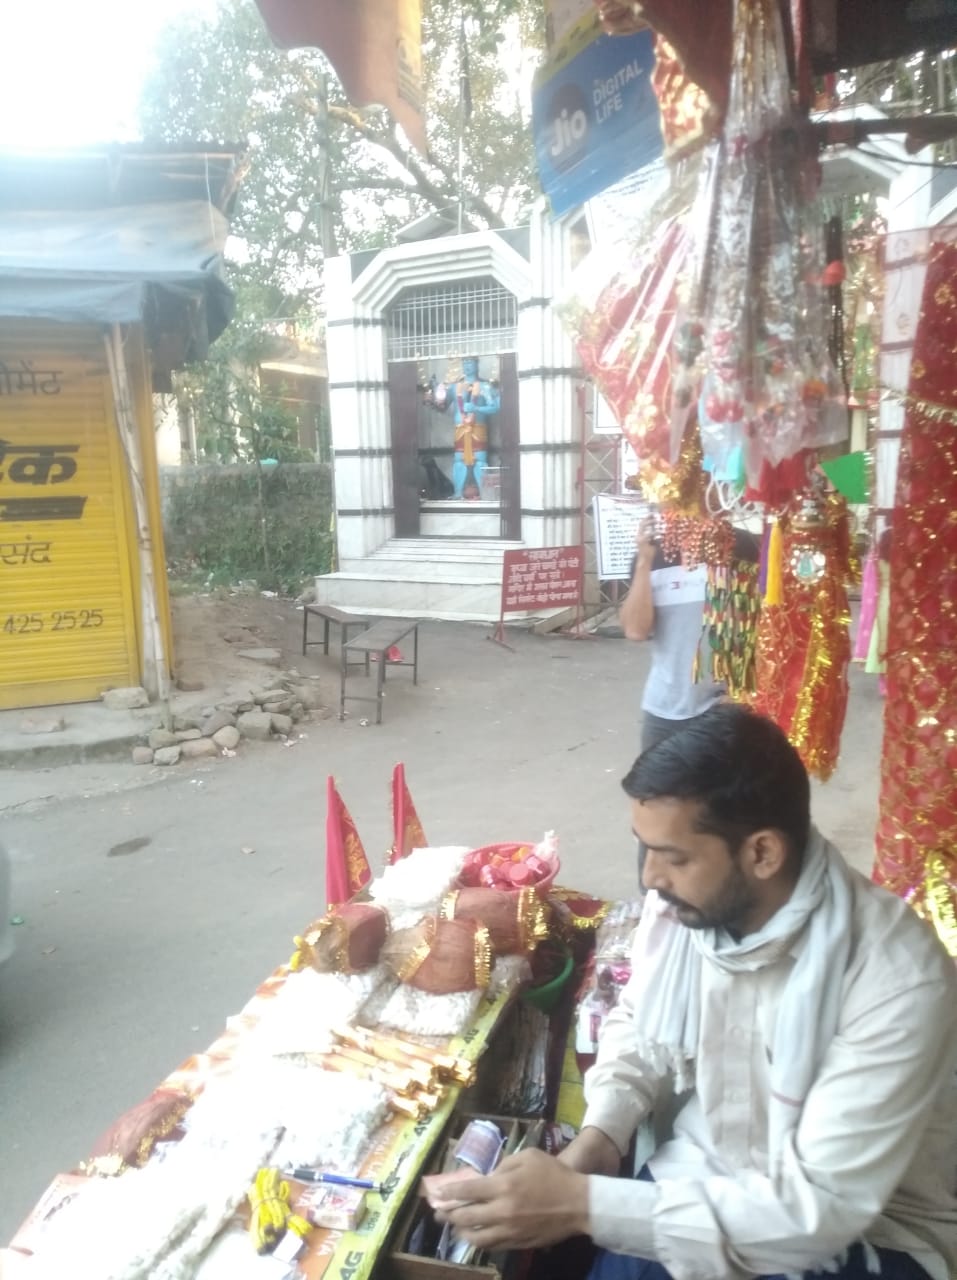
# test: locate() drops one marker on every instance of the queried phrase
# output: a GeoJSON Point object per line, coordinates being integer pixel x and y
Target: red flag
{"type": "Point", "coordinates": [375, 47]}
{"type": "Point", "coordinates": [347, 867]}
{"type": "Point", "coordinates": [405, 821]}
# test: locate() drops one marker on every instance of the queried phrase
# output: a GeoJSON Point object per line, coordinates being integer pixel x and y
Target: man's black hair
{"type": "Point", "coordinates": [739, 766]}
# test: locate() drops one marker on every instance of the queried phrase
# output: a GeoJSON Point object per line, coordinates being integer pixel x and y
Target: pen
{"type": "Point", "coordinates": [334, 1179]}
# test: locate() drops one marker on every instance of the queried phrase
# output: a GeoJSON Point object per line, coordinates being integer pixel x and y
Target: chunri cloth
{"type": "Point", "coordinates": [667, 975]}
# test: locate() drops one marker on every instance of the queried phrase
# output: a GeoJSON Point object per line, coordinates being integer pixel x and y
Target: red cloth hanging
{"type": "Point", "coordinates": [917, 827]}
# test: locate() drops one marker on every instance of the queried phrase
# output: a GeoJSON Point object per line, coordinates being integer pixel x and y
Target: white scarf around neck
{"type": "Point", "coordinates": [666, 981]}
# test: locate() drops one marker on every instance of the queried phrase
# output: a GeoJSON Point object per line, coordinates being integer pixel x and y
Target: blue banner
{"type": "Point", "coordinates": [595, 115]}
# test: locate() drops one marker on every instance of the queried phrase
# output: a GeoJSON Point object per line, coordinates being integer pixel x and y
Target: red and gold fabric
{"type": "Point", "coordinates": [804, 642]}
{"type": "Point", "coordinates": [346, 940]}
{"type": "Point", "coordinates": [688, 117]}
{"type": "Point", "coordinates": [441, 956]}
{"type": "Point", "coordinates": [917, 827]}
{"type": "Point", "coordinates": [129, 1141]}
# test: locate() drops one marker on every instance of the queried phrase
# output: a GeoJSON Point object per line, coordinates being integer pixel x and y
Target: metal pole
{"type": "Point", "coordinates": [327, 234]}
{"type": "Point", "coordinates": [463, 86]}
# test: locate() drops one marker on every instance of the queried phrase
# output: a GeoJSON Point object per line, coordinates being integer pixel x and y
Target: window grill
{"type": "Point", "coordinates": [469, 318]}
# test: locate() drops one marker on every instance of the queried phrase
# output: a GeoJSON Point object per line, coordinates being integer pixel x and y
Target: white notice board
{"type": "Point", "coordinates": [617, 520]}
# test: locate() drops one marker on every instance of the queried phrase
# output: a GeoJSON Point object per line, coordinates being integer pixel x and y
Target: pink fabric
{"type": "Point", "coordinates": [865, 624]}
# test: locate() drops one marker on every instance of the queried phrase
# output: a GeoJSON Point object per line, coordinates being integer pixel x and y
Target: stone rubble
{"type": "Point", "coordinates": [256, 725]}
{"type": "Point", "coordinates": [126, 699]}
{"type": "Point", "coordinates": [245, 712]}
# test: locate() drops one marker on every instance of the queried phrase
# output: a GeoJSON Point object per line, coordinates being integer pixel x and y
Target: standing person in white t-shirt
{"type": "Point", "coordinates": [665, 603]}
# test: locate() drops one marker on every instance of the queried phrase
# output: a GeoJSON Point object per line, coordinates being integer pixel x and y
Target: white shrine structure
{"type": "Point", "coordinates": [401, 321]}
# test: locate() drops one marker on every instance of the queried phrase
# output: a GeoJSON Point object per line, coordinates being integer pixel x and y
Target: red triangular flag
{"type": "Point", "coordinates": [347, 867]}
{"type": "Point", "coordinates": [407, 828]}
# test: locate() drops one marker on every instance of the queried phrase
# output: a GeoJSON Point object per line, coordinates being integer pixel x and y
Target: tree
{"type": "Point", "coordinates": [223, 80]}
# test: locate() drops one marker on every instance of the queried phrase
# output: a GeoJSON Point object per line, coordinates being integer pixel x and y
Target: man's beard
{"type": "Point", "coordinates": [724, 910]}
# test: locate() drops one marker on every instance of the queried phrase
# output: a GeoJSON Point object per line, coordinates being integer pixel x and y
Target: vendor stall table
{"type": "Point", "coordinates": [396, 1158]}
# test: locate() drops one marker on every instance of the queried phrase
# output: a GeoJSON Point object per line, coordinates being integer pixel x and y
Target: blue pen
{"type": "Point", "coordinates": [334, 1179]}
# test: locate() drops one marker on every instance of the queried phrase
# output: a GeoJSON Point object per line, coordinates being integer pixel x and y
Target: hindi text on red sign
{"type": "Point", "coordinates": [541, 578]}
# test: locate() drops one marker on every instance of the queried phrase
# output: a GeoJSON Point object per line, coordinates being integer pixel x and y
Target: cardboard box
{"type": "Point", "coordinates": [399, 1263]}
{"type": "Point", "coordinates": [337, 1208]}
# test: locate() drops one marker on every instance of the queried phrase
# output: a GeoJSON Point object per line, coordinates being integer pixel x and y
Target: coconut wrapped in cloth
{"type": "Point", "coordinates": [515, 921]}
{"type": "Point", "coordinates": [441, 956]}
{"type": "Point", "coordinates": [130, 1140]}
{"type": "Point", "coordinates": [346, 940]}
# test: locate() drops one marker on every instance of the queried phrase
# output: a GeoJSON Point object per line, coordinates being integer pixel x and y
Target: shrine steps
{"type": "Point", "coordinates": [450, 579]}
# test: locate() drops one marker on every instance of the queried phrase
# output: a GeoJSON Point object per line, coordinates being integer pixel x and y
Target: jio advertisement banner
{"type": "Point", "coordinates": [594, 114]}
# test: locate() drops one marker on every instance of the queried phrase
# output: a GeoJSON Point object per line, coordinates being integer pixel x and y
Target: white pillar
{"type": "Point", "coordinates": [548, 372]}
{"type": "Point", "coordinates": [359, 417]}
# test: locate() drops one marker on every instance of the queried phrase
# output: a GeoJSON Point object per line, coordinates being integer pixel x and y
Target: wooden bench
{"type": "Point", "coordinates": [329, 613]}
{"type": "Point", "coordinates": [376, 643]}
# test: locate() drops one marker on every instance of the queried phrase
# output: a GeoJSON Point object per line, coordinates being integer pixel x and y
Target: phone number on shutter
{"type": "Point", "coordinates": [15, 624]}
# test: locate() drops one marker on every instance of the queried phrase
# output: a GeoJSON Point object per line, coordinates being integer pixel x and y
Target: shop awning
{"type": "Point", "coordinates": [375, 47]}
{"type": "Point", "coordinates": [117, 236]}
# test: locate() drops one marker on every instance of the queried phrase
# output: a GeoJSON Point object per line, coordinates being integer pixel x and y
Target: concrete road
{"type": "Point", "coordinates": [145, 923]}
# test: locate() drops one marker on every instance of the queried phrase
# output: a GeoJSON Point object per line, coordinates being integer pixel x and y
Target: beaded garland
{"type": "Point", "coordinates": [692, 540]}
{"type": "Point", "coordinates": [731, 611]}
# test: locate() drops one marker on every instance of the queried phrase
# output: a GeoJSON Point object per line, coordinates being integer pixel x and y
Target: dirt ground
{"type": "Point", "coordinates": [210, 630]}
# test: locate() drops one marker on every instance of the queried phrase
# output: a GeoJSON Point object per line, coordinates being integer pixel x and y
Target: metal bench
{"type": "Point", "coordinates": [376, 643]}
{"type": "Point", "coordinates": [329, 613]}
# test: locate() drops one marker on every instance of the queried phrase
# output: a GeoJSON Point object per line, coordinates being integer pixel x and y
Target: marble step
{"type": "Point", "coordinates": [413, 594]}
{"type": "Point", "coordinates": [450, 601]}
{"type": "Point", "coordinates": [434, 564]}
{"type": "Point", "coordinates": [482, 524]}
{"type": "Point", "coordinates": [487, 550]}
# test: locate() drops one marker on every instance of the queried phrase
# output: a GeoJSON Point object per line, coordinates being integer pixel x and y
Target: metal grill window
{"type": "Point", "coordinates": [474, 317]}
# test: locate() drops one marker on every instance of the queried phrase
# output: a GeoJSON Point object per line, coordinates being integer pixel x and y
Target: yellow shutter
{"type": "Point", "coordinates": [67, 621]}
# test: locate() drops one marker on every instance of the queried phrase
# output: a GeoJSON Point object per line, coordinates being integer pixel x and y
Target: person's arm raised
{"type": "Point", "coordinates": [637, 612]}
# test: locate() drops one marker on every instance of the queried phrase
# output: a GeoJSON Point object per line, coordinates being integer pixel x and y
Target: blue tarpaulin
{"type": "Point", "coordinates": [120, 236]}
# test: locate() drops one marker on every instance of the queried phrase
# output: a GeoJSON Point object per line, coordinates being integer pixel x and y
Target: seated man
{"type": "Point", "coordinates": [808, 1018]}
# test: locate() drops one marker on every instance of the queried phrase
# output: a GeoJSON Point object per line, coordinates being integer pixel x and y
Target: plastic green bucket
{"type": "Point", "coordinates": [547, 996]}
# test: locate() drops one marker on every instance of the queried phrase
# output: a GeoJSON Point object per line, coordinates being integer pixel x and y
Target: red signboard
{"type": "Point", "coordinates": [541, 578]}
